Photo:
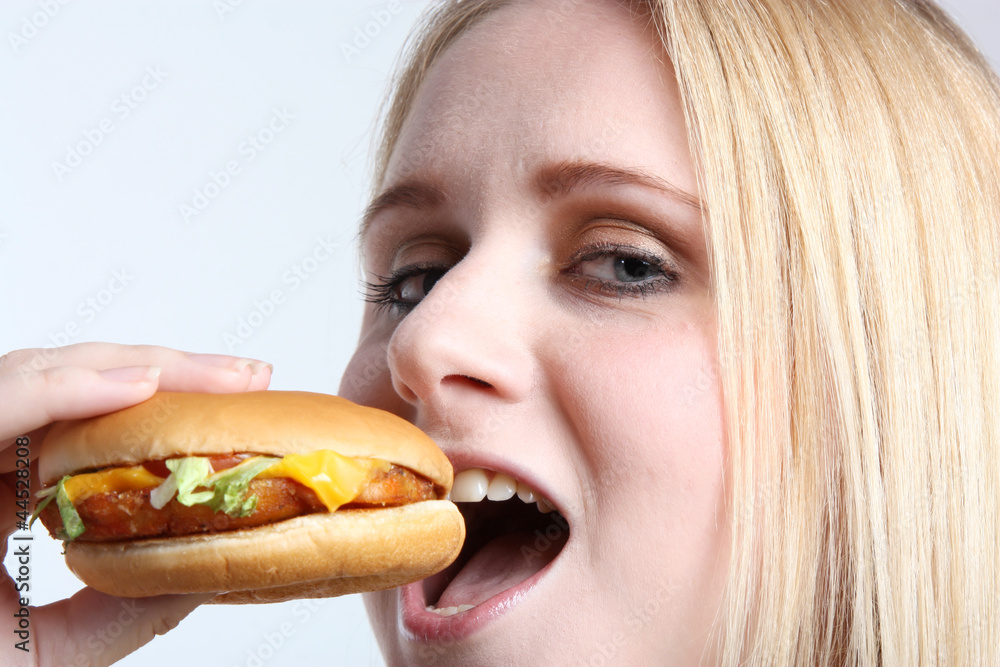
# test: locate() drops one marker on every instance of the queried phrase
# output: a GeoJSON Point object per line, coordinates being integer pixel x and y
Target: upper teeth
{"type": "Point", "coordinates": [475, 484]}
{"type": "Point", "coordinates": [502, 487]}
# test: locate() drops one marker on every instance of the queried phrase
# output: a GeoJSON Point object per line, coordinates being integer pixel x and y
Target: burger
{"type": "Point", "coordinates": [260, 497]}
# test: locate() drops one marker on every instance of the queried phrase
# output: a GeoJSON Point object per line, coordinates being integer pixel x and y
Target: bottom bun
{"type": "Point", "coordinates": [317, 555]}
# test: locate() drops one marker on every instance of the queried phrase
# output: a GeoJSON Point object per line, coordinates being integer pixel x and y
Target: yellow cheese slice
{"type": "Point", "coordinates": [81, 487]}
{"type": "Point", "coordinates": [336, 479]}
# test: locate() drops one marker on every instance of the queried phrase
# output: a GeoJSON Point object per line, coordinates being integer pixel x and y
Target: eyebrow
{"type": "Point", "coordinates": [418, 195]}
{"type": "Point", "coordinates": [552, 182]}
{"type": "Point", "coordinates": [562, 178]}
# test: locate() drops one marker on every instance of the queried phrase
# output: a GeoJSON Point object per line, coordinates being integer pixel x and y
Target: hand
{"type": "Point", "coordinates": [38, 387]}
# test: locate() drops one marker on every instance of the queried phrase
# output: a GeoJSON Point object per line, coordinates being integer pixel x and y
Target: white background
{"type": "Point", "coordinates": [187, 278]}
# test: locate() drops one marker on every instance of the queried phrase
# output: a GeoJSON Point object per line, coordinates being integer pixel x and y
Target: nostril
{"type": "Point", "coordinates": [478, 381]}
{"type": "Point", "coordinates": [466, 379]}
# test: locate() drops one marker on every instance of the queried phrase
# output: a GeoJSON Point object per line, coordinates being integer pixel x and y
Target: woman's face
{"type": "Point", "coordinates": [544, 311]}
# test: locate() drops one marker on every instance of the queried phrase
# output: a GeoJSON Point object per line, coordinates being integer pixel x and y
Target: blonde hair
{"type": "Point", "coordinates": [847, 154]}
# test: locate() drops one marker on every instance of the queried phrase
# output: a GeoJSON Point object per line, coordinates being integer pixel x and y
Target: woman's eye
{"type": "Point", "coordinates": [405, 288]}
{"type": "Point", "coordinates": [622, 271]}
{"type": "Point", "coordinates": [412, 289]}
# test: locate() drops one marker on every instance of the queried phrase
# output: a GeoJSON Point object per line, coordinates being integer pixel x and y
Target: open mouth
{"type": "Point", "coordinates": [513, 532]}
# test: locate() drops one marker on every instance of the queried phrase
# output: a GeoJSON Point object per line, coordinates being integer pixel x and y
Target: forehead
{"type": "Point", "coordinates": [540, 82]}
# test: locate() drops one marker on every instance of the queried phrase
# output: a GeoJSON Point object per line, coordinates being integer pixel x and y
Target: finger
{"type": "Point", "coordinates": [102, 355]}
{"type": "Point", "coordinates": [8, 519]}
{"type": "Point", "coordinates": [104, 629]}
{"type": "Point", "coordinates": [181, 371]}
{"type": "Point", "coordinates": [93, 355]}
{"type": "Point", "coordinates": [36, 398]}
{"type": "Point", "coordinates": [217, 373]}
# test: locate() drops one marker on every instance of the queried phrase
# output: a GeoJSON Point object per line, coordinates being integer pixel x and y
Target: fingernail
{"type": "Point", "coordinates": [131, 374]}
{"type": "Point", "coordinates": [259, 367]}
{"type": "Point", "coordinates": [224, 361]}
{"type": "Point", "coordinates": [256, 367]}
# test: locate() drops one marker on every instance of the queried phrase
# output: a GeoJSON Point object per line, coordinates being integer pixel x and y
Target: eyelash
{"type": "Point", "coordinates": [384, 294]}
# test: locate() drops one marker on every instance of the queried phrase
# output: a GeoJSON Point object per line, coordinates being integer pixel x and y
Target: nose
{"type": "Point", "coordinates": [466, 338]}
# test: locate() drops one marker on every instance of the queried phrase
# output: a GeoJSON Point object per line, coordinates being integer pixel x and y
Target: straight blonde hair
{"type": "Point", "coordinates": [848, 155]}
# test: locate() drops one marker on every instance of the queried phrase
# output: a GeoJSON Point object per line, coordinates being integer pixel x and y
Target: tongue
{"type": "Point", "coordinates": [501, 564]}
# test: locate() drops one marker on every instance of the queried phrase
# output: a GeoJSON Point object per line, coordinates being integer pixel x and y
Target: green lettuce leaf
{"type": "Point", "coordinates": [45, 496]}
{"type": "Point", "coordinates": [189, 473]}
{"type": "Point", "coordinates": [72, 523]}
{"type": "Point", "coordinates": [230, 486]}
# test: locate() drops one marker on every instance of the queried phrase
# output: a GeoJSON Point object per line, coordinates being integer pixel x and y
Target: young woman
{"type": "Point", "coordinates": [714, 280]}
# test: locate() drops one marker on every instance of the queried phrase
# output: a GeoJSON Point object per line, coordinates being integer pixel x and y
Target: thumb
{"type": "Point", "coordinates": [104, 629]}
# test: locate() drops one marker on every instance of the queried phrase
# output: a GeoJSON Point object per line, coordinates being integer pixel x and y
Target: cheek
{"type": "Point", "coordinates": [367, 379]}
{"type": "Point", "coordinates": [646, 411]}
{"type": "Point", "coordinates": [648, 404]}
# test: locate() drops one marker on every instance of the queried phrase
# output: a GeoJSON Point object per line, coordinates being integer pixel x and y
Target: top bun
{"type": "Point", "coordinates": [277, 423]}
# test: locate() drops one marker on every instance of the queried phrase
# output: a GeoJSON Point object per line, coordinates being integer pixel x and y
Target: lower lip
{"type": "Point", "coordinates": [427, 627]}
